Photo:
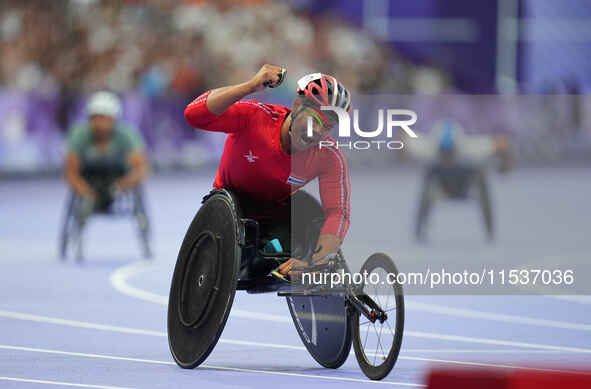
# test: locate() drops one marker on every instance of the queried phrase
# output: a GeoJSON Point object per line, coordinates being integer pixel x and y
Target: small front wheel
{"type": "Point", "coordinates": [377, 343]}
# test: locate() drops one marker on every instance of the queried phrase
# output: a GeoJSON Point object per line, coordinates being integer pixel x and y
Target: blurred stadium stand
{"type": "Point", "coordinates": [159, 54]}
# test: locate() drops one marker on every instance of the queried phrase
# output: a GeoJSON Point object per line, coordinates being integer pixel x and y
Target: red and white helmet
{"type": "Point", "coordinates": [324, 90]}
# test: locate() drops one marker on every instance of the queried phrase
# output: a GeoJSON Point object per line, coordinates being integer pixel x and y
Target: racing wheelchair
{"type": "Point", "coordinates": [455, 182]}
{"type": "Point", "coordinates": [223, 251]}
{"type": "Point", "coordinates": [125, 204]}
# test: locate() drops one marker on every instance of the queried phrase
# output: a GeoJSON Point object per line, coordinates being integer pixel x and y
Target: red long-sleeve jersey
{"type": "Point", "coordinates": [254, 164]}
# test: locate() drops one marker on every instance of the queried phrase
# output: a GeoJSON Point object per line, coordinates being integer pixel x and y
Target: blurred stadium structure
{"type": "Point", "coordinates": [159, 54]}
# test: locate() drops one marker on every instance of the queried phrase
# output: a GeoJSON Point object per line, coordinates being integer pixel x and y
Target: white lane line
{"type": "Point", "coordinates": [120, 276]}
{"type": "Point", "coordinates": [127, 330]}
{"type": "Point", "coordinates": [475, 351]}
{"type": "Point", "coordinates": [29, 380]}
{"type": "Point", "coordinates": [418, 334]}
{"type": "Point", "coordinates": [494, 365]}
{"type": "Point", "coordinates": [317, 376]}
{"type": "Point", "coordinates": [85, 355]}
{"type": "Point", "coordinates": [496, 342]}
{"type": "Point", "coordinates": [78, 324]}
{"type": "Point", "coordinates": [581, 299]}
{"type": "Point", "coordinates": [119, 280]}
{"type": "Point", "coordinates": [473, 314]}
{"type": "Point", "coordinates": [211, 367]}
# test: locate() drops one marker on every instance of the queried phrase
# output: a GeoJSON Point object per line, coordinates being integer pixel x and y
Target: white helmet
{"type": "Point", "coordinates": [104, 103]}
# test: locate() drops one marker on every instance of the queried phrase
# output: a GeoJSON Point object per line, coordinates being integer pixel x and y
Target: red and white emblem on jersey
{"type": "Point", "coordinates": [250, 157]}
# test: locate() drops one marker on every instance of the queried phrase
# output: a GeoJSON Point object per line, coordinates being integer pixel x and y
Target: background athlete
{"type": "Point", "coordinates": [268, 154]}
{"type": "Point", "coordinates": [104, 156]}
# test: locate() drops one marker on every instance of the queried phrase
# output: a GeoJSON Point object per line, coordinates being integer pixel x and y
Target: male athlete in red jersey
{"type": "Point", "coordinates": [269, 155]}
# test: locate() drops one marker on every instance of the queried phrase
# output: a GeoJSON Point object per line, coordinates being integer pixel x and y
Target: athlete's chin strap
{"type": "Point", "coordinates": [317, 114]}
{"type": "Point", "coordinates": [290, 124]}
{"type": "Point", "coordinates": [295, 114]}
{"type": "Point", "coordinates": [293, 118]}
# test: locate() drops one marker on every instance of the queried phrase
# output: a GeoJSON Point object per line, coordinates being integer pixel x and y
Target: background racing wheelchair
{"type": "Point", "coordinates": [454, 183]}
{"type": "Point", "coordinates": [79, 210]}
{"type": "Point", "coordinates": [456, 166]}
{"type": "Point", "coordinates": [223, 252]}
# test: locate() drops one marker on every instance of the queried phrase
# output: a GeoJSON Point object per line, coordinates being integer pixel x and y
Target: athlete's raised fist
{"type": "Point", "coordinates": [268, 76]}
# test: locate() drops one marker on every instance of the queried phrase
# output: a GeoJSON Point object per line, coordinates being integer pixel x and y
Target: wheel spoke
{"type": "Point", "coordinates": [387, 301]}
{"type": "Point", "coordinates": [365, 341]}
{"type": "Point", "coordinates": [385, 355]}
{"type": "Point", "coordinates": [376, 354]}
{"type": "Point", "coordinates": [391, 330]}
{"type": "Point", "coordinates": [376, 295]}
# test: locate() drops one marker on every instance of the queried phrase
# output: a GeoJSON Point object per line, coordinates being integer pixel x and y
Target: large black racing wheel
{"type": "Point", "coordinates": [204, 281]}
{"type": "Point", "coordinates": [377, 344]}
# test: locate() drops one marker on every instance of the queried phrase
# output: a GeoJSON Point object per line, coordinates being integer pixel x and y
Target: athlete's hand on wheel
{"type": "Point", "coordinates": [268, 76]}
{"type": "Point", "coordinates": [287, 266]}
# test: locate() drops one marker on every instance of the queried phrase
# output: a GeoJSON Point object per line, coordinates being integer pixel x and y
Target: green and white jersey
{"type": "Point", "coordinates": [124, 140]}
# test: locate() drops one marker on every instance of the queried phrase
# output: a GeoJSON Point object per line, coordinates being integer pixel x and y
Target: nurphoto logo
{"type": "Point", "coordinates": [395, 118]}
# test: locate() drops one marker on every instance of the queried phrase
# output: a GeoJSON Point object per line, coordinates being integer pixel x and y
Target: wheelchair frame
{"type": "Point", "coordinates": [347, 304]}
{"type": "Point", "coordinates": [432, 189]}
{"type": "Point", "coordinates": [130, 203]}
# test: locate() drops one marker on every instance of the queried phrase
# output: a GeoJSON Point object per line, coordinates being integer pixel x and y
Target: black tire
{"type": "Point", "coordinates": [369, 366]}
{"type": "Point", "coordinates": [327, 339]}
{"type": "Point", "coordinates": [145, 242]}
{"type": "Point", "coordinates": [485, 204]}
{"type": "Point", "coordinates": [424, 208]}
{"type": "Point", "coordinates": [68, 227]}
{"type": "Point", "coordinates": [204, 282]}
{"type": "Point", "coordinates": [143, 222]}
